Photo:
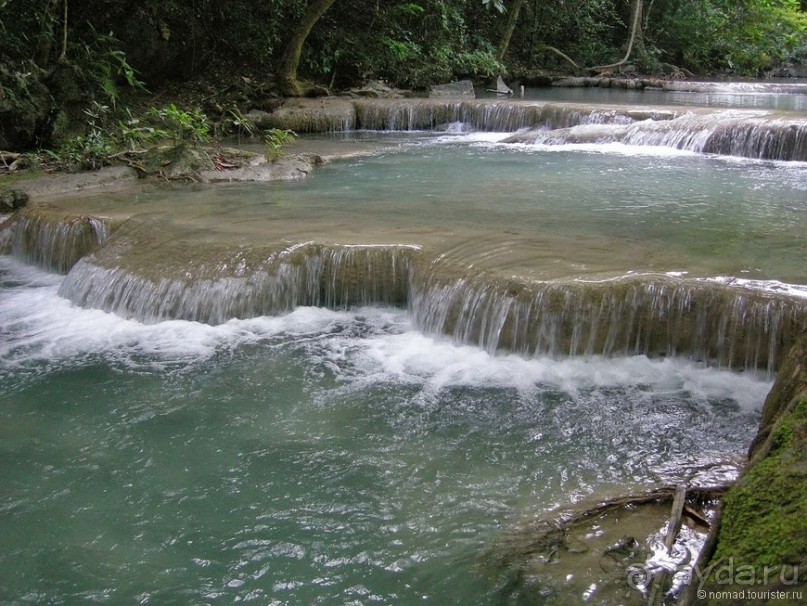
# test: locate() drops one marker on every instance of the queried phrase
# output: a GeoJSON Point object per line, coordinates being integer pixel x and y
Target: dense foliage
{"type": "Point", "coordinates": [62, 54]}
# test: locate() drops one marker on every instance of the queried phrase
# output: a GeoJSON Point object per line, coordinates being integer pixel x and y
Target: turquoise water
{"type": "Point", "coordinates": [316, 458]}
{"type": "Point", "coordinates": [539, 211]}
{"type": "Point", "coordinates": [343, 457]}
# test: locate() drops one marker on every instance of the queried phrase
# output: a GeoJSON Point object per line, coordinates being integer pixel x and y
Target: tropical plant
{"type": "Point", "coordinates": [241, 124]}
{"type": "Point", "coordinates": [182, 126]}
{"type": "Point", "coordinates": [274, 141]}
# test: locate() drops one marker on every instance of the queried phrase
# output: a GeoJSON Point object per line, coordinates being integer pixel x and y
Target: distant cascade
{"type": "Point", "coordinates": [51, 240]}
{"type": "Point", "coordinates": [331, 276]}
{"type": "Point", "coordinates": [728, 326]}
{"type": "Point", "coordinates": [492, 116]}
{"type": "Point", "coordinates": [729, 134]}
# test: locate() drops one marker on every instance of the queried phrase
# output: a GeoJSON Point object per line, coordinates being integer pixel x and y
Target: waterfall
{"type": "Point", "coordinates": [726, 133]}
{"type": "Point", "coordinates": [751, 134]}
{"type": "Point", "coordinates": [493, 116]}
{"type": "Point", "coordinates": [50, 239]}
{"type": "Point", "coordinates": [657, 315]}
{"type": "Point", "coordinates": [731, 327]}
{"type": "Point", "coordinates": [242, 286]}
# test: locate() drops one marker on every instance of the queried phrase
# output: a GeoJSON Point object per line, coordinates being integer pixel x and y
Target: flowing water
{"type": "Point", "coordinates": [342, 390]}
{"type": "Point", "coordinates": [784, 95]}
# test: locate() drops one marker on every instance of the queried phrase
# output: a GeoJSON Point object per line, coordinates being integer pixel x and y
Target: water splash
{"type": "Point", "coordinates": [727, 133]}
{"type": "Point", "coordinates": [731, 327]}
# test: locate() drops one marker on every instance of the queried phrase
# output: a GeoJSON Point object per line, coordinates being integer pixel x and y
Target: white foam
{"type": "Point", "coordinates": [365, 345]}
{"type": "Point", "coordinates": [39, 325]}
{"type": "Point", "coordinates": [773, 286]}
{"type": "Point", "coordinates": [436, 363]}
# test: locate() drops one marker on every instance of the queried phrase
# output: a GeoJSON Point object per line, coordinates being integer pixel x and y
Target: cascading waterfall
{"type": "Point", "coordinates": [244, 286]}
{"type": "Point", "coordinates": [493, 116]}
{"type": "Point", "coordinates": [50, 239]}
{"type": "Point", "coordinates": [731, 327]}
{"type": "Point", "coordinates": [727, 133]}
{"type": "Point", "coordinates": [655, 315]}
{"type": "Point", "coordinates": [751, 134]}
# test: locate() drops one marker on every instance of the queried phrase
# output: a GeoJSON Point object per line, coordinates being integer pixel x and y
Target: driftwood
{"type": "Point", "coordinates": [662, 579]}
{"type": "Point", "coordinates": [8, 158]}
{"type": "Point", "coordinates": [547, 535]}
{"type": "Point", "coordinates": [563, 56]}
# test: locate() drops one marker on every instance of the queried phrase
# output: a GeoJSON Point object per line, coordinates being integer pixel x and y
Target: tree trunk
{"type": "Point", "coordinates": [636, 35]}
{"type": "Point", "coordinates": [290, 60]}
{"type": "Point", "coordinates": [45, 51]}
{"type": "Point", "coordinates": [509, 28]}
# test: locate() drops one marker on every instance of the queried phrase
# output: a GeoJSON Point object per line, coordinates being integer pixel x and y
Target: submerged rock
{"type": "Point", "coordinates": [289, 168]}
{"type": "Point", "coordinates": [605, 553]}
{"type": "Point", "coordinates": [462, 88]}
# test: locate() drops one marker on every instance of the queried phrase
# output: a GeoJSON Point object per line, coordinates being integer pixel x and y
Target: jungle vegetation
{"type": "Point", "coordinates": [58, 57]}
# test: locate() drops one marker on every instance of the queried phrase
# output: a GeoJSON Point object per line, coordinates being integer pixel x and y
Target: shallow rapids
{"type": "Point", "coordinates": [344, 390]}
{"type": "Point", "coordinates": [315, 457]}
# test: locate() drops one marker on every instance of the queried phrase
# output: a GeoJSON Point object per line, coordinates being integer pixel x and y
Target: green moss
{"type": "Point", "coordinates": [11, 180]}
{"type": "Point", "coordinates": [765, 514]}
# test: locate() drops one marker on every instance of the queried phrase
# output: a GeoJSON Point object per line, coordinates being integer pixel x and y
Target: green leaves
{"type": "Point", "coordinates": [274, 141]}
{"type": "Point", "coordinates": [183, 126]}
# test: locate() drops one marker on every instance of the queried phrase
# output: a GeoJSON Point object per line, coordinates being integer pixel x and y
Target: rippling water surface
{"type": "Point", "coordinates": [536, 211]}
{"type": "Point", "coordinates": [341, 457]}
{"type": "Point", "coordinates": [320, 457]}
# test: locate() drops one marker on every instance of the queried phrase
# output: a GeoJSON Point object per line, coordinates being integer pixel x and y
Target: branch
{"type": "Point", "coordinates": [637, 19]}
{"type": "Point", "coordinates": [562, 55]}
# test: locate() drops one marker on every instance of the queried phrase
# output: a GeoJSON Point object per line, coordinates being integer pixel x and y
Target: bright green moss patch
{"type": "Point", "coordinates": [765, 514]}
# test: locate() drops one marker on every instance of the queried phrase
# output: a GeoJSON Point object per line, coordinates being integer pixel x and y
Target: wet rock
{"type": "Point", "coordinates": [289, 168]}
{"type": "Point", "coordinates": [187, 162]}
{"type": "Point", "coordinates": [462, 88]}
{"type": "Point", "coordinates": [12, 200]}
{"type": "Point", "coordinates": [314, 116]}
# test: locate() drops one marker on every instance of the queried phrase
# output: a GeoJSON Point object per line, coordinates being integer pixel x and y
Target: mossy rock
{"type": "Point", "coordinates": [762, 541]}
{"type": "Point", "coordinates": [12, 200]}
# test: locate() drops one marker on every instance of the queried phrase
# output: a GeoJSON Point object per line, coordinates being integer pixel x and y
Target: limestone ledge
{"type": "Point", "coordinates": [116, 178]}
